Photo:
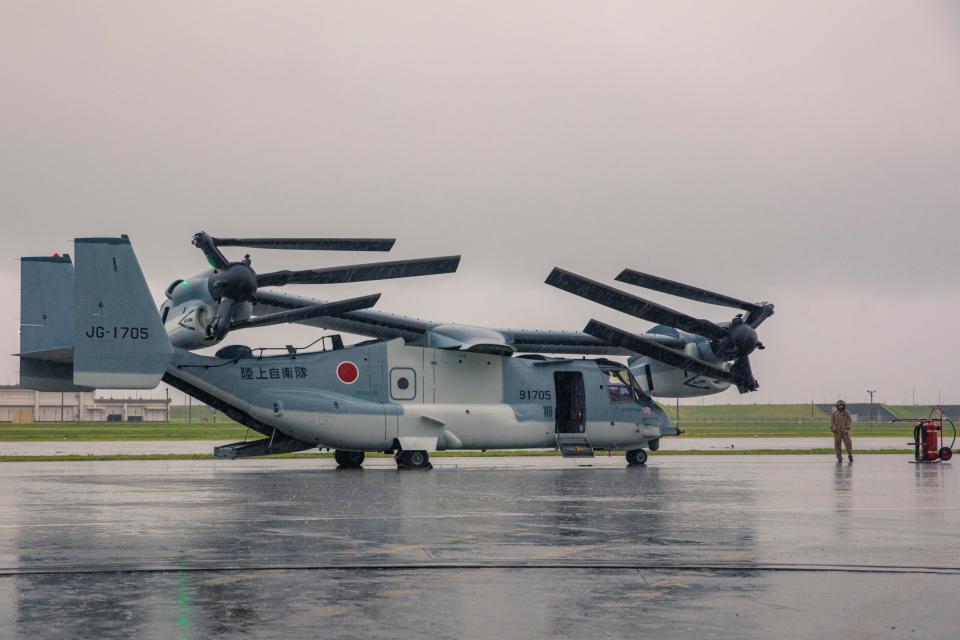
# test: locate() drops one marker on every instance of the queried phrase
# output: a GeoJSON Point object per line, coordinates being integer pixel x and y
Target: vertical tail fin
{"type": "Point", "coordinates": [46, 323]}
{"type": "Point", "coordinates": [118, 339]}
{"type": "Point", "coordinates": [46, 303]}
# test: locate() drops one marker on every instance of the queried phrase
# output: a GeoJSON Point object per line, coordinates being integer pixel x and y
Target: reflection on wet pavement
{"type": "Point", "coordinates": [745, 547]}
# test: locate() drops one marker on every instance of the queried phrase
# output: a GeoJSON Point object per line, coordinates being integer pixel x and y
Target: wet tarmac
{"type": "Point", "coordinates": [699, 546]}
{"type": "Point", "coordinates": [166, 447]}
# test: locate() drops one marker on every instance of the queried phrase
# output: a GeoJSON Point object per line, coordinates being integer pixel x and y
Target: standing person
{"type": "Point", "coordinates": [840, 422]}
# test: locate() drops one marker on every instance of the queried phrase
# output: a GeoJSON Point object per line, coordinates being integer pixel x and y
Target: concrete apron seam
{"type": "Point", "coordinates": [506, 565]}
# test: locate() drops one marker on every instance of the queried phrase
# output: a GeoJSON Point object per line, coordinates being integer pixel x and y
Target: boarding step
{"type": "Point", "coordinates": [574, 445]}
{"type": "Point", "coordinates": [279, 443]}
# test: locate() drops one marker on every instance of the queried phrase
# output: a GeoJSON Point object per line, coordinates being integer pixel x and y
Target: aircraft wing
{"type": "Point", "coordinates": [576, 342]}
{"type": "Point", "coordinates": [417, 332]}
{"type": "Point", "coordinates": [365, 322]}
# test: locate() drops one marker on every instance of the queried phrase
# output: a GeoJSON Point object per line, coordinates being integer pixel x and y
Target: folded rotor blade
{"type": "Point", "coordinates": [656, 351]}
{"type": "Point", "coordinates": [310, 244]}
{"type": "Point", "coordinates": [221, 321]}
{"type": "Point", "coordinates": [206, 244]}
{"type": "Point", "coordinates": [361, 272]}
{"type": "Point", "coordinates": [656, 283]}
{"type": "Point", "coordinates": [305, 313]}
{"type": "Point", "coordinates": [744, 372]}
{"type": "Point", "coordinates": [754, 318]}
{"type": "Point", "coordinates": [633, 305]}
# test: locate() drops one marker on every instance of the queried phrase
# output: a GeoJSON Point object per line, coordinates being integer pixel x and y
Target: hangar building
{"type": "Point", "coordinates": [24, 405]}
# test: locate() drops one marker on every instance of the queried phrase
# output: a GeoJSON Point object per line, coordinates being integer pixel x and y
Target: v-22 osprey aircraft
{"type": "Point", "coordinates": [413, 388]}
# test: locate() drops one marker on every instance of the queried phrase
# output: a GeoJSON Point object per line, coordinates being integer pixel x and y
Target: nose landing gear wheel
{"type": "Point", "coordinates": [636, 457]}
{"type": "Point", "coordinates": [348, 459]}
{"type": "Point", "coordinates": [413, 460]}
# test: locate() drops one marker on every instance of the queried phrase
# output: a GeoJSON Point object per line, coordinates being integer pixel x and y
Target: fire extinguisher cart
{"type": "Point", "coordinates": [928, 437]}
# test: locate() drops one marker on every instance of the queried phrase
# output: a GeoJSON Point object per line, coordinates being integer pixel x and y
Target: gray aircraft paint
{"type": "Point", "coordinates": [461, 400]}
{"type": "Point", "coordinates": [668, 381]}
{"type": "Point", "coordinates": [118, 339]}
{"type": "Point", "coordinates": [450, 399]}
{"type": "Point", "coordinates": [46, 323]}
{"type": "Point", "coordinates": [189, 308]}
{"type": "Point", "coordinates": [46, 303]}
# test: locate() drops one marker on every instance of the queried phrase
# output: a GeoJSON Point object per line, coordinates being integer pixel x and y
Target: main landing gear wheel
{"type": "Point", "coordinates": [413, 460]}
{"type": "Point", "coordinates": [348, 459]}
{"type": "Point", "coordinates": [636, 457]}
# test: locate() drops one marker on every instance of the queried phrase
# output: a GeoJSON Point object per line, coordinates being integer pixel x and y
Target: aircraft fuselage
{"type": "Point", "coordinates": [381, 396]}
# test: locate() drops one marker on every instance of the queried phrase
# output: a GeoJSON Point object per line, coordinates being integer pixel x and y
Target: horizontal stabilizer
{"type": "Point", "coordinates": [47, 375]}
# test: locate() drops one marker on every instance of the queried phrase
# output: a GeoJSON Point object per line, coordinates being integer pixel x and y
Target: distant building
{"type": "Point", "coordinates": [861, 411]}
{"type": "Point", "coordinates": [24, 405]}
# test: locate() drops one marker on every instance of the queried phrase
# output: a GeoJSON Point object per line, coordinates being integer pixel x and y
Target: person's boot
{"type": "Point", "coordinates": [850, 457]}
{"type": "Point", "coordinates": [839, 459]}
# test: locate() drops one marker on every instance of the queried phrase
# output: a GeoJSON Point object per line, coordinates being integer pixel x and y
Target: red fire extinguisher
{"type": "Point", "coordinates": [928, 438]}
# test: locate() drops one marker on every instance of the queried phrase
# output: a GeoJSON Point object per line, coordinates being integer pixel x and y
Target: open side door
{"type": "Point", "coordinates": [571, 415]}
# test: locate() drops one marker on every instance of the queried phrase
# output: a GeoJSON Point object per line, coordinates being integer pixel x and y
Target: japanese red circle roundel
{"type": "Point", "coordinates": [347, 372]}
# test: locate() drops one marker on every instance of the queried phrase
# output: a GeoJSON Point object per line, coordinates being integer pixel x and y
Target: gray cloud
{"type": "Point", "coordinates": [795, 152]}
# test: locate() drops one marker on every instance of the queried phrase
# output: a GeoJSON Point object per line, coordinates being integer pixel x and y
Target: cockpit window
{"type": "Point", "coordinates": [620, 385]}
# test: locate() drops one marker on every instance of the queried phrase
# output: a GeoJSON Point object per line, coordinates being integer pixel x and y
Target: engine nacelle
{"type": "Point", "coordinates": [190, 308]}
{"type": "Point", "coordinates": [186, 324]}
{"type": "Point", "coordinates": [663, 381]}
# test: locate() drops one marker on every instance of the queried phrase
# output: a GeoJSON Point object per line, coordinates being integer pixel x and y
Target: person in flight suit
{"type": "Point", "coordinates": [840, 422]}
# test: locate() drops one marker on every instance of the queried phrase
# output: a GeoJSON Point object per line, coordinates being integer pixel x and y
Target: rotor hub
{"type": "Point", "coordinates": [237, 281]}
{"type": "Point", "coordinates": [743, 340]}
{"type": "Point", "coordinates": [734, 340]}
{"type": "Point", "coordinates": [233, 285]}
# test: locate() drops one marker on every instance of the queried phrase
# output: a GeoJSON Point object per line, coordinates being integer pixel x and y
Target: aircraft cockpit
{"type": "Point", "coordinates": [620, 383]}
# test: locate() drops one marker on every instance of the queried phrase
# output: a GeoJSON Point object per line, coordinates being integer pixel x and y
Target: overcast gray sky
{"type": "Point", "coordinates": [806, 153]}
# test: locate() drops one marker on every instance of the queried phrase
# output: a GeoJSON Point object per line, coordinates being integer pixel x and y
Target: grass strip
{"type": "Point", "coordinates": [97, 431]}
{"type": "Point", "coordinates": [438, 454]}
{"type": "Point", "coordinates": [67, 432]}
